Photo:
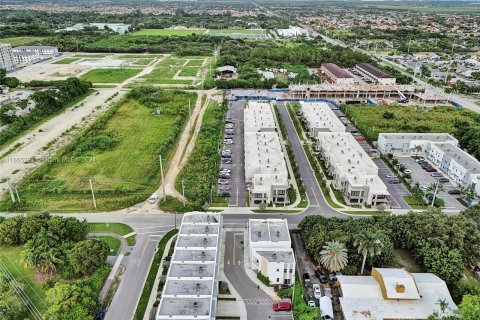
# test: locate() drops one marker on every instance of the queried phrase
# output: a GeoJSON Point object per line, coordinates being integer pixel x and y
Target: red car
{"type": "Point", "coordinates": [431, 170]}
{"type": "Point", "coordinates": [282, 306]}
{"type": "Point", "coordinates": [360, 138]}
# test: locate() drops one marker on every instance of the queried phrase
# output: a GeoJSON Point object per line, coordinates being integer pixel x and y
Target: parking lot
{"type": "Point", "coordinates": [236, 180]}
{"type": "Point", "coordinates": [425, 180]}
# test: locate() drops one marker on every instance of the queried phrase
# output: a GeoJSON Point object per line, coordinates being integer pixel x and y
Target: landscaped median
{"type": "Point", "coordinates": [152, 274]}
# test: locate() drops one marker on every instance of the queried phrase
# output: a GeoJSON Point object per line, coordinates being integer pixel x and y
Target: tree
{"type": "Point", "coordinates": [334, 256]}
{"type": "Point", "coordinates": [470, 307]}
{"type": "Point", "coordinates": [467, 193]}
{"type": "Point", "coordinates": [388, 115]}
{"type": "Point", "coordinates": [418, 148]}
{"type": "Point", "coordinates": [86, 256]}
{"type": "Point", "coordinates": [442, 261]}
{"type": "Point", "coordinates": [369, 243]}
{"type": "Point", "coordinates": [42, 253]}
{"type": "Point", "coordinates": [11, 306]}
{"type": "Point", "coordinates": [68, 302]}
{"type": "Point", "coordinates": [10, 231]}
{"type": "Point", "coordinates": [32, 225]}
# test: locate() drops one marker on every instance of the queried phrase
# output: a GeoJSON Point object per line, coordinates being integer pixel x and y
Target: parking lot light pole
{"type": "Point", "coordinates": [163, 179]}
{"type": "Point", "coordinates": [435, 193]}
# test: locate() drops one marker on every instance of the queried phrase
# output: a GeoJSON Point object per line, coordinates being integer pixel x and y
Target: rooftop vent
{"type": "Point", "coordinates": [278, 234]}
{"type": "Point", "coordinates": [400, 288]}
{"type": "Point", "coordinates": [274, 256]}
{"type": "Point", "coordinates": [200, 269]}
{"type": "Point", "coordinates": [203, 255]}
{"type": "Point", "coordinates": [206, 229]}
{"type": "Point", "coordinates": [259, 233]}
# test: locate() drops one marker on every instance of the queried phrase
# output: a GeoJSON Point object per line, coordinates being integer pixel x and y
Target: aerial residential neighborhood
{"type": "Point", "coordinates": [250, 160]}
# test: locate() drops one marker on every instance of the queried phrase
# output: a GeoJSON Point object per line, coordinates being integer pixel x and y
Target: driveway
{"type": "Point", "coordinates": [258, 303]}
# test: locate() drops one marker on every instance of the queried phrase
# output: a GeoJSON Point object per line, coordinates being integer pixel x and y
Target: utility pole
{"type": "Point", "coordinates": [409, 40]}
{"type": "Point", "coordinates": [435, 193]}
{"type": "Point", "coordinates": [93, 194]}
{"type": "Point", "coordinates": [18, 197]}
{"type": "Point", "coordinates": [189, 115]}
{"type": "Point", "coordinates": [161, 172]}
{"type": "Point", "coordinates": [183, 191]}
{"type": "Point", "coordinates": [11, 190]}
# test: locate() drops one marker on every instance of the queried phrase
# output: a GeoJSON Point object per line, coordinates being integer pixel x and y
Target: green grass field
{"type": "Point", "coordinates": [109, 75]}
{"type": "Point", "coordinates": [195, 63]}
{"type": "Point", "coordinates": [112, 242]}
{"type": "Point", "coordinates": [118, 228]}
{"type": "Point", "coordinates": [93, 55]}
{"type": "Point", "coordinates": [165, 71]}
{"type": "Point", "coordinates": [20, 41]}
{"type": "Point", "coordinates": [10, 257]}
{"type": "Point", "coordinates": [241, 31]}
{"type": "Point", "coordinates": [67, 60]}
{"type": "Point", "coordinates": [124, 169]}
{"type": "Point", "coordinates": [189, 72]}
{"type": "Point", "coordinates": [168, 32]}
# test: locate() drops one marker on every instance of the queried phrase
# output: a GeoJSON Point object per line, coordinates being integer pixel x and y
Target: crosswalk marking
{"type": "Point", "coordinates": [259, 301]}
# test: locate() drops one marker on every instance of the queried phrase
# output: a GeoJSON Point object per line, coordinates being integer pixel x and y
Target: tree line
{"type": "Point", "coordinates": [59, 250]}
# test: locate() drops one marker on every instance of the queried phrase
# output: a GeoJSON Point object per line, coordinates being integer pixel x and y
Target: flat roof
{"type": "Point", "coordinates": [463, 158]}
{"type": "Point", "coordinates": [353, 87]}
{"type": "Point", "coordinates": [376, 72]}
{"type": "Point", "coordinates": [434, 137]}
{"type": "Point", "coordinates": [190, 291]}
{"type": "Point", "coordinates": [362, 298]}
{"type": "Point", "coordinates": [278, 255]}
{"type": "Point", "coordinates": [258, 116]}
{"type": "Point", "coordinates": [319, 115]}
{"type": "Point", "coordinates": [35, 47]}
{"type": "Point", "coordinates": [337, 71]}
{"type": "Point", "coordinates": [271, 230]}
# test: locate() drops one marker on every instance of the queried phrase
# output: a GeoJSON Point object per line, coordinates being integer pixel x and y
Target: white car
{"type": "Point", "coordinates": [317, 293]}
{"type": "Point", "coordinates": [153, 198]}
{"type": "Point", "coordinates": [389, 175]}
{"type": "Point", "coordinates": [328, 292]}
{"type": "Point", "coordinates": [311, 304]}
{"type": "Point", "coordinates": [424, 188]}
{"type": "Point", "coordinates": [407, 171]}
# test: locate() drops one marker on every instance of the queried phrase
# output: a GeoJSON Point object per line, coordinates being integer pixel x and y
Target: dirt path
{"type": "Point", "coordinates": [185, 146]}
{"type": "Point", "coordinates": [40, 144]}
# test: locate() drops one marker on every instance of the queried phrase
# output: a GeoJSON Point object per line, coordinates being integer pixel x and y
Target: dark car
{"type": "Point", "coordinates": [443, 180]}
{"type": "Point", "coordinates": [394, 181]}
{"type": "Point", "coordinates": [224, 194]}
{"type": "Point", "coordinates": [101, 315]}
{"type": "Point", "coordinates": [282, 306]}
{"type": "Point", "coordinates": [306, 278]}
{"type": "Point", "coordinates": [323, 278]}
{"type": "Point", "coordinates": [453, 191]}
{"type": "Point", "coordinates": [431, 169]}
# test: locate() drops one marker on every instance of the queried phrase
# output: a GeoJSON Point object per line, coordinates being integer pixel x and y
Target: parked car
{"type": "Point", "coordinates": [224, 188]}
{"type": "Point", "coordinates": [390, 175]}
{"type": "Point", "coordinates": [224, 176]}
{"type": "Point", "coordinates": [394, 181]}
{"type": "Point", "coordinates": [317, 293]}
{"type": "Point", "coordinates": [311, 304]}
{"type": "Point", "coordinates": [418, 159]}
{"type": "Point", "coordinates": [282, 306]}
{"type": "Point", "coordinates": [323, 278]}
{"type": "Point", "coordinates": [332, 276]}
{"type": "Point", "coordinates": [227, 141]}
{"type": "Point", "coordinates": [443, 180]}
{"type": "Point", "coordinates": [223, 182]}
{"type": "Point", "coordinates": [359, 138]}
{"type": "Point", "coordinates": [225, 194]}
{"type": "Point", "coordinates": [229, 121]}
{"type": "Point", "coordinates": [153, 198]}
{"type": "Point", "coordinates": [226, 161]}
{"type": "Point", "coordinates": [437, 175]}
{"type": "Point", "coordinates": [407, 171]}
{"type": "Point", "coordinates": [431, 169]}
{"type": "Point", "coordinates": [306, 278]}
{"type": "Point", "coordinates": [101, 314]}
{"type": "Point", "coordinates": [453, 191]}
{"type": "Point", "coordinates": [423, 188]}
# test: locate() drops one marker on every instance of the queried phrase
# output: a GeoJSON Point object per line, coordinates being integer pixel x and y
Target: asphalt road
{"type": "Point", "coordinates": [258, 304]}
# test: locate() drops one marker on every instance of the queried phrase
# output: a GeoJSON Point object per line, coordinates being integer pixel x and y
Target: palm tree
{"type": "Point", "coordinates": [418, 148]}
{"type": "Point", "coordinates": [369, 243]}
{"type": "Point", "coordinates": [334, 256]}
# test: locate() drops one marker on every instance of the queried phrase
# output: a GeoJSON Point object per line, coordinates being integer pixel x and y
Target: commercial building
{"type": "Point", "coordinates": [375, 74]}
{"type": "Point", "coordinates": [7, 61]}
{"type": "Point", "coordinates": [440, 148]}
{"type": "Point", "coordinates": [271, 250]}
{"type": "Point", "coordinates": [319, 117]}
{"type": "Point", "coordinates": [265, 168]}
{"type": "Point", "coordinates": [191, 286]}
{"type": "Point", "coordinates": [336, 75]}
{"type": "Point", "coordinates": [25, 58]}
{"type": "Point", "coordinates": [42, 51]}
{"type": "Point", "coordinates": [352, 170]}
{"type": "Point", "coordinates": [351, 93]}
{"type": "Point", "coordinates": [292, 32]}
{"type": "Point", "coordinates": [393, 294]}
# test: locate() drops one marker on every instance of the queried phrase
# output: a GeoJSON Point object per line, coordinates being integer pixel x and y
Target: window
{"type": "Point", "coordinates": [291, 270]}
{"type": "Point", "coordinates": [355, 193]}
{"type": "Point", "coordinates": [278, 270]}
{"type": "Point", "coordinates": [278, 280]}
{"type": "Point", "coordinates": [285, 270]}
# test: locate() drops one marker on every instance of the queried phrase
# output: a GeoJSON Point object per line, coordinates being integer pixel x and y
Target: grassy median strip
{"type": "Point", "coordinates": [152, 274]}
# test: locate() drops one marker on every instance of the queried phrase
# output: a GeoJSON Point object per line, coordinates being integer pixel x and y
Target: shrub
{"type": "Point", "coordinates": [264, 279]}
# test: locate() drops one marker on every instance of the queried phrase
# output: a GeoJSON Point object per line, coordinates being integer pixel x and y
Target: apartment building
{"type": "Point", "coordinates": [7, 61]}
{"type": "Point", "coordinates": [394, 294]}
{"type": "Point", "coordinates": [292, 32]}
{"type": "Point", "coordinates": [375, 74]}
{"type": "Point", "coordinates": [405, 144]}
{"type": "Point", "coordinates": [271, 250]}
{"type": "Point", "coordinates": [319, 117]}
{"type": "Point", "coordinates": [191, 286]}
{"type": "Point", "coordinates": [336, 75]}
{"type": "Point", "coordinates": [440, 148]}
{"type": "Point", "coordinates": [352, 170]}
{"type": "Point", "coordinates": [265, 167]}
{"type": "Point", "coordinates": [25, 58]}
{"type": "Point", "coordinates": [42, 51]}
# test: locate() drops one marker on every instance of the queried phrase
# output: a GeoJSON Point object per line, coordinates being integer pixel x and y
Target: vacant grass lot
{"type": "Point", "coordinates": [118, 228]}
{"type": "Point", "coordinates": [165, 71]}
{"type": "Point", "coordinates": [241, 31]}
{"type": "Point", "coordinates": [195, 63]}
{"type": "Point", "coordinates": [11, 258]}
{"type": "Point", "coordinates": [109, 75]}
{"type": "Point", "coordinates": [168, 32]}
{"type": "Point", "coordinates": [67, 60]}
{"type": "Point", "coordinates": [20, 41]}
{"type": "Point", "coordinates": [112, 242]}
{"type": "Point", "coordinates": [119, 152]}
{"type": "Point", "coordinates": [370, 119]}
{"type": "Point", "coordinates": [189, 72]}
